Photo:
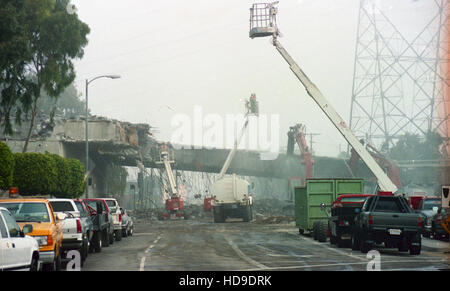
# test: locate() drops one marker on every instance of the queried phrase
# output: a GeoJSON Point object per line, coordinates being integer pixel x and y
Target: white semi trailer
{"type": "Point", "coordinates": [231, 198]}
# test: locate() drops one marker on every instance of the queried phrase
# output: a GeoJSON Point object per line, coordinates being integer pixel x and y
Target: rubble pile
{"type": "Point", "coordinates": [191, 211]}
{"type": "Point", "coordinates": [273, 211]}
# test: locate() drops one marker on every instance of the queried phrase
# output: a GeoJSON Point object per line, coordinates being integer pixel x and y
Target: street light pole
{"type": "Point", "coordinates": [86, 128]}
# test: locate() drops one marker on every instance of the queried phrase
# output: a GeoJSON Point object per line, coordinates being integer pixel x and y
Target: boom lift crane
{"type": "Point", "coordinates": [174, 203]}
{"type": "Point", "coordinates": [263, 23]}
{"type": "Point", "coordinates": [230, 195]}
{"type": "Point", "coordinates": [252, 108]}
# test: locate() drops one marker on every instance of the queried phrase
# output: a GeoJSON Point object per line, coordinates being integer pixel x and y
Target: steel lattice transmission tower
{"type": "Point", "coordinates": [399, 85]}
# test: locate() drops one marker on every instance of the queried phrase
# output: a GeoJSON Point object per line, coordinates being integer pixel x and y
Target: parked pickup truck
{"type": "Point", "coordinates": [388, 220]}
{"type": "Point", "coordinates": [116, 215]}
{"type": "Point", "coordinates": [343, 213]}
{"type": "Point", "coordinates": [102, 221]}
{"type": "Point", "coordinates": [77, 228]}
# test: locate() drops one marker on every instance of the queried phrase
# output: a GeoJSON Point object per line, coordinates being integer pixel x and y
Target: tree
{"type": "Point", "coordinates": [14, 55]}
{"type": "Point", "coordinates": [76, 183]}
{"type": "Point", "coordinates": [414, 147]}
{"type": "Point", "coordinates": [6, 166]}
{"type": "Point", "coordinates": [67, 105]}
{"type": "Point", "coordinates": [35, 174]}
{"type": "Point", "coordinates": [54, 38]}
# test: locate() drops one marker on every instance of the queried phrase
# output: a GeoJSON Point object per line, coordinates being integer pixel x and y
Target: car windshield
{"type": "Point", "coordinates": [79, 206]}
{"type": "Point", "coordinates": [111, 203]}
{"type": "Point", "coordinates": [430, 203]}
{"type": "Point", "coordinates": [61, 206]}
{"type": "Point", "coordinates": [28, 211]}
{"type": "Point", "coordinates": [92, 204]}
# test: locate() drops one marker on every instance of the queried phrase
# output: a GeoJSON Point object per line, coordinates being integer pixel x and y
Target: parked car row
{"type": "Point", "coordinates": [37, 233]}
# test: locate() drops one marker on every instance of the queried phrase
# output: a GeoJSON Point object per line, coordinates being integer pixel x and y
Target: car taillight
{"type": "Point", "coordinates": [120, 217]}
{"type": "Point", "coordinates": [439, 220]}
{"type": "Point", "coordinates": [49, 240]}
{"type": "Point", "coordinates": [79, 226]}
{"type": "Point", "coordinates": [419, 222]}
{"type": "Point", "coordinates": [370, 219]}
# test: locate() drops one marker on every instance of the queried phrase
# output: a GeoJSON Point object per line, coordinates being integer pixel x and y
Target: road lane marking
{"type": "Point", "coordinates": [142, 264]}
{"type": "Point", "coordinates": [244, 256]}
{"type": "Point", "coordinates": [325, 245]}
{"type": "Point", "coordinates": [341, 264]}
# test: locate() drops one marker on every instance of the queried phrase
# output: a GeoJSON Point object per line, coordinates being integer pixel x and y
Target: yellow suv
{"type": "Point", "coordinates": [47, 228]}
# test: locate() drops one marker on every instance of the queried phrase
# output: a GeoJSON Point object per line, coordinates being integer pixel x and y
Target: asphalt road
{"type": "Point", "coordinates": [192, 245]}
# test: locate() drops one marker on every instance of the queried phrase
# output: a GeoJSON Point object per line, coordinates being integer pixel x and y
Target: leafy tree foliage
{"type": "Point", "coordinates": [414, 147]}
{"type": "Point", "coordinates": [38, 41]}
{"type": "Point", "coordinates": [75, 183]}
{"type": "Point", "coordinates": [55, 37]}
{"type": "Point", "coordinates": [67, 105]}
{"type": "Point", "coordinates": [14, 55]}
{"type": "Point", "coordinates": [6, 166]}
{"type": "Point", "coordinates": [35, 174]}
{"type": "Point", "coordinates": [48, 174]}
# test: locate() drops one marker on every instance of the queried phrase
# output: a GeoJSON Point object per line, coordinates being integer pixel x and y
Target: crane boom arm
{"type": "Point", "coordinates": [231, 154]}
{"type": "Point", "coordinates": [383, 180]}
{"type": "Point", "coordinates": [173, 184]}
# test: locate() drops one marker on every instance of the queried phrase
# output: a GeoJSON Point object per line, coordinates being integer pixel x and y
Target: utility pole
{"type": "Point", "coordinates": [311, 136]}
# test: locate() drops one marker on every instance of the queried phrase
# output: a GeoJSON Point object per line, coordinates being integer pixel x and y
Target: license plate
{"type": "Point", "coordinates": [395, 231]}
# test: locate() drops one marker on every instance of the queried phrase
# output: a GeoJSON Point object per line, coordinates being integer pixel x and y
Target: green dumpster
{"type": "Point", "coordinates": [316, 191]}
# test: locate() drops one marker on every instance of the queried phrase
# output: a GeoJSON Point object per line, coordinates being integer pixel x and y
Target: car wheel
{"type": "Point", "coordinates": [98, 241]}
{"type": "Point", "coordinates": [355, 242]}
{"type": "Point", "coordinates": [84, 251]}
{"type": "Point", "coordinates": [105, 238]}
{"type": "Point", "coordinates": [315, 230]}
{"type": "Point", "coordinates": [322, 228]}
{"type": "Point", "coordinates": [34, 263]}
{"type": "Point", "coordinates": [125, 232]}
{"type": "Point", "coordinates": [415, 250]}
{"type": "Point", "coordinates": [339, 241]}
{"type": "Point", "coordinates": [111, 238]}
{"type": "Point", "coordinates": [57, 263]}
{"type": "Point", "coordinates": [118, 235]}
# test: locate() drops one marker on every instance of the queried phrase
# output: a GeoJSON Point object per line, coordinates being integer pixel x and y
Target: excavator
{"type": "Point", "coordinates": [296, 135]}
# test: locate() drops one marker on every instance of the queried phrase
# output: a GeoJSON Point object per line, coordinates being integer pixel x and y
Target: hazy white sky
{"type": "Point", "coordinates": [179, 53]}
